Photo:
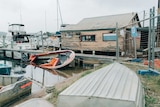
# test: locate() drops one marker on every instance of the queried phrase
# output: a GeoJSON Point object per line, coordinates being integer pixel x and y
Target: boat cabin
{"type": "Point", "coordinates": [5, 69]}
{"type": "Point", "coordinates": [18, 33]}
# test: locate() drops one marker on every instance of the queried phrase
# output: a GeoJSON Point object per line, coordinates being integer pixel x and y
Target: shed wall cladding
{"type": "Point", "coordinates": [112, 86]}
{"type": "Point", "coordinates": [98, 45]}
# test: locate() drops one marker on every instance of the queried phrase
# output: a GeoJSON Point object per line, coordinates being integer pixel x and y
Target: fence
{"type": "Point", "coordinates": [142, 36]}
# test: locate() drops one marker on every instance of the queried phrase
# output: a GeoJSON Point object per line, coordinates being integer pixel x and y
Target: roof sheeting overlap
{"type": "Point", "coordinates": [111, 84]}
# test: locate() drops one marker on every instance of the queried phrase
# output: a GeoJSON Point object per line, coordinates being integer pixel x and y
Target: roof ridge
{"type": "Point", "coordinates": [109, 15]}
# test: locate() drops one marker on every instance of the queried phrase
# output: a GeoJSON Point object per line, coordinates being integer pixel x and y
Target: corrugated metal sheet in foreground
{"type": "Point", "coordinates": [112, 86]}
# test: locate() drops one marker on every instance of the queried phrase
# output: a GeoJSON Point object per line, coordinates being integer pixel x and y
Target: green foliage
{"type": "Point", "coordinates": [149, 100]}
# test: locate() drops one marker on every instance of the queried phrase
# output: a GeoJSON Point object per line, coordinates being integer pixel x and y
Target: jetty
{"type": "Point", "coordinates": [22, 51]}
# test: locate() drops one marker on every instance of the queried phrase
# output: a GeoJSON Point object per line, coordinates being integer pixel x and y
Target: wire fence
{"type": "Point", "coordinates": [146, 43]}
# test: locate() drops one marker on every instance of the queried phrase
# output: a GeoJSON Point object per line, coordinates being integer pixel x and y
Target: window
{"type": "Point", "coordinates": [88, 38]}
{"type": "Point", "coordinates": [69, 35]}
{"type": "Point", "coordinates": [109, 37]}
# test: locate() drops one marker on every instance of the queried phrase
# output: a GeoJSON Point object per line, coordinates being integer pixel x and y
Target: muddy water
{"type": "Point", "coordinates": [41, 78]}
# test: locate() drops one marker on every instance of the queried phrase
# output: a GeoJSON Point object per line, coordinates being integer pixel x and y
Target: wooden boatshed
{"type": "Point", "coordinates": [112, 86]}
{"type": "Point", "coordinates": [97, 35]}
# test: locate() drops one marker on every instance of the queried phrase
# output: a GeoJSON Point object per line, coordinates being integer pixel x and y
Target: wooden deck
{"type": "Point", "coordinates": [21, 50]}
{"type": "Point", "coordinates": [95, 59]}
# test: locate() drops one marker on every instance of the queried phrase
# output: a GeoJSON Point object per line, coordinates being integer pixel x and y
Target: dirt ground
{"type": "Point", "coordinates": [151, 85]}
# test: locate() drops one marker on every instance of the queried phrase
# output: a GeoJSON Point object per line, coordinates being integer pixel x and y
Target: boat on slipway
{"type": "Point", "coordinates": [58, 59]}
{"type": "Point", "coordinates": [112, 86]}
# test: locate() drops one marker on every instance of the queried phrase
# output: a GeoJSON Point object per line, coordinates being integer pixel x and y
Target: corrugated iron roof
{"type": "Point", "coordinates": [102, 22]}
{"type": "Point", "coordinates": [115, 82]}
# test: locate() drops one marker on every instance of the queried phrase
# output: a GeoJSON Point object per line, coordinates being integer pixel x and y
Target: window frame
{"type": "Point", "coordinates": [88, 38]}
{"type": "Point", "coordinates": [109, 35]}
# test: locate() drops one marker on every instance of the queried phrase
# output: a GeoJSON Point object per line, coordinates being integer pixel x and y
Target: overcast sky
{"type": "Point", "coordinates": [41, 15]}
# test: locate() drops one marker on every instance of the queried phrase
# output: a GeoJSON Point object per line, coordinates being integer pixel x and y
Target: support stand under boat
{"type": "Point", "coordinates": [151, 46]}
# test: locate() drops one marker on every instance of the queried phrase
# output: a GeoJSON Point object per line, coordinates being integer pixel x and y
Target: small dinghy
{"type": "Point", "coordinates": [60, 59]}
{"type": "Point", "coordinates": [114, 85]}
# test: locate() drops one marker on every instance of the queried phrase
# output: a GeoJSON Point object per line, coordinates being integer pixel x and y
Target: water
{"type": "Point", "coordinates": [40, 78]}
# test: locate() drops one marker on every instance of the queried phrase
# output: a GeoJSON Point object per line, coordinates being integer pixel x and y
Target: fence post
{"type": "Point", "coordinates": [117, 45]}
{"type": "Point", "coordinates": [42, 41]}
{"type": "Point", "coordinates": [11, 44]}
{"type": "Point", "coordinates": [149, 41]}
{"type": "Point", "coordinates": [4, 37]}
{"type": "Point", "coordinates": [153, 36]}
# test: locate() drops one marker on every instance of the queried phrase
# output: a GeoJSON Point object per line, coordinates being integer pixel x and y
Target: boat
{"type": "Point", "coordinates": [12, 87]}
{"type": "Point", "coordinates": [114, 85]}
{"type": "Point", "coordinates": [5, 69]}
{"type": "Point", "coordinates": [21, 40]}
{"type": "Point", "coordinates": [3, 45]}
{"type": "Point", "coordinates": [59, 59]}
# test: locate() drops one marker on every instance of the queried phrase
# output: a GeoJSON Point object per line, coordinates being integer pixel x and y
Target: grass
{"type": "Point", "coordinates": [151, 85]}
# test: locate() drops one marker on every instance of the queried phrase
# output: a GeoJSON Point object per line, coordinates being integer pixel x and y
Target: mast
{"type": "Point", "coordinates": [59, 15]}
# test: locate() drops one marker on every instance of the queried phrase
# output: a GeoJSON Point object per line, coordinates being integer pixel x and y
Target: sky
{"type": "Point", "coordinates": [41, 15]}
